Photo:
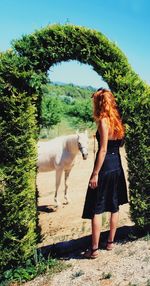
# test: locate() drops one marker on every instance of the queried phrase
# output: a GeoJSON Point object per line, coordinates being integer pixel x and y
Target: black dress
{"type": "Point", "coordinates": [111, 190]}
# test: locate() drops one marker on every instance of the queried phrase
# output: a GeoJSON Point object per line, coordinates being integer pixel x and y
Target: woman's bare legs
{"type": "Point", "coordinates": [96, 227]}
{"type": "Point", "coordinates": [114, 217]}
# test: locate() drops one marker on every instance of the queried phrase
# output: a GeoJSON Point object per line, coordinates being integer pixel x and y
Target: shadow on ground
{"type": "Point", "coordinates": [73, 248]}
{"type": "Point", "coordinates": [46, 209]}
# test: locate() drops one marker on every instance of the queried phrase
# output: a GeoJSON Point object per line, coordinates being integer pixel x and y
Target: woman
{"type": "Point", "coordinates": [107, 187]}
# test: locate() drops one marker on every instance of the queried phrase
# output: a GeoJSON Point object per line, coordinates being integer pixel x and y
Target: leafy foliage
{"type": "Point", "coordinates": [69, 101]}
{"type": "Point", "coordinates": [32, 268]}
{"type": "Point", "coordinates": [23, 72]}
{"type": "Point", "coordinates": [81, 112]}
{"type": "Point", "coordinates": [18, 158]}
{"type": "Point", "coordinates": [51, 111]}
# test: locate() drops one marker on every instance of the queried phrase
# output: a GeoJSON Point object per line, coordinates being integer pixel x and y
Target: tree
{"type": "Point", "coordinates": [51, 111]}
{"type": "Point", "coordinates": [81, 111]}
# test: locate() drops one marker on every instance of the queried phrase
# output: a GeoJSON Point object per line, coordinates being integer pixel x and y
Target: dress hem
{"type": "Point", "coordinates": [104, 211]}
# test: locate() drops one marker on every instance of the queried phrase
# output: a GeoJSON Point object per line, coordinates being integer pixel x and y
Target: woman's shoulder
{"type": "Point", "coordinates": [103, 120]}
{"type": "Point", "coordinates": [103, 124]}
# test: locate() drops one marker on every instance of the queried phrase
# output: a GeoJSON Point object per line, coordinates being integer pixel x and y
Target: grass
{"type": "Point", "coordinates": [148, 282]}
{"type": "Point", "coordinates": [83, 228]}
{"type": "Point", "coordinates": [62, 128]}
{"type": "Point", "coordinates": [77, 274]}
{"type": "Point", "coordinates": [147, 237]}
{"type": "Point", "coordinates": [106, 275]}
{"type": "Point", "coordinates": [32, 269]}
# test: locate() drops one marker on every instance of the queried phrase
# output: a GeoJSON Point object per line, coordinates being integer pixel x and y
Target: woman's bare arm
{"type": "Point", "coordinates": [103, 131]}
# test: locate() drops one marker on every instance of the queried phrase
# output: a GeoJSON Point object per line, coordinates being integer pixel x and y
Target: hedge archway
{"type": "Point", "coordinates": [23, 70]}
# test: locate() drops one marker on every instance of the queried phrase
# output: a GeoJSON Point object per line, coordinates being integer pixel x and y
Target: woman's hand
{"type": "Point", "coordinates": [93, 181]}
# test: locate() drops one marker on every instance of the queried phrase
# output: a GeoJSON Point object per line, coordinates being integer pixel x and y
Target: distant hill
{"type": "Point", "coordinates": [70, 90]}
{"type": "Point", "coordinates": [72, 84]}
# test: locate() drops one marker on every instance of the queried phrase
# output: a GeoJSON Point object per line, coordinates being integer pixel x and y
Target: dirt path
{"type": "Point", "coordinates": [64, 223]}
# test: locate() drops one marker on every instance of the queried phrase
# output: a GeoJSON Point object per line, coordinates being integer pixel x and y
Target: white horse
{"type": "Point", "coordinates": [59, 154]}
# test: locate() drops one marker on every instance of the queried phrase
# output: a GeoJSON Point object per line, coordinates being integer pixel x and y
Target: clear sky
{"type": "Point", "coordinates": [126, 22]}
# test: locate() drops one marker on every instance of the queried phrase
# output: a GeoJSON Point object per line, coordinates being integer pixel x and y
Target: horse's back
{"type": "Point", "coordinates": [48, 152]}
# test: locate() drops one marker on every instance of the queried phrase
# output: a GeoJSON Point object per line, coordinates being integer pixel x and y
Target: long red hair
{"type": "Point", "coordinates": [105, 106]}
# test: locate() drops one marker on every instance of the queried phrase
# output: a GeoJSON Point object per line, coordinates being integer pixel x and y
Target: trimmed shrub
{"type": "Point", "coordinates": [18, 129]}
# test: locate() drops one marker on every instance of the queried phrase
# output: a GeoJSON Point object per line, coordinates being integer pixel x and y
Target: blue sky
{"type": "Point", "coordinates": [126, 22]}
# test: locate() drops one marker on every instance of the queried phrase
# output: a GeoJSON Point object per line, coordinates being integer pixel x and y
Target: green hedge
{"type": "Point", "coordinates": [18, 131]}
{"type": "Point", "coordinates": [23, 71]}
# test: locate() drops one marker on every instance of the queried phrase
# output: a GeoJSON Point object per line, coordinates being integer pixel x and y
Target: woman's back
{"type": "Point", "coordinates": [113, 145]}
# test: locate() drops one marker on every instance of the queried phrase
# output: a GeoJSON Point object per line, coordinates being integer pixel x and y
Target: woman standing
{"type": "Point", "coordinates": [107, 187]}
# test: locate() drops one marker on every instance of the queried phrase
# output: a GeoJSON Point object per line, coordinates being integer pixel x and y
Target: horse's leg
{"type": "Point", "coordinates": [67, 172]}
{"type": "Point", "coordinates": [58, 180]}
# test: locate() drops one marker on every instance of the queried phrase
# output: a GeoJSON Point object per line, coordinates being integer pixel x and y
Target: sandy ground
{"type": "Point", "coordinates": [65, 222]}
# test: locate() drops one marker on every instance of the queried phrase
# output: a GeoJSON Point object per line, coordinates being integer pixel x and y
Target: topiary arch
{"type": "Point", "coordinates": [23, 71]}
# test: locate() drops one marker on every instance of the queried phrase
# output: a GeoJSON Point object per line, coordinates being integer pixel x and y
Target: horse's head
{"type": "Point", "coordinates": [83, 144]}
